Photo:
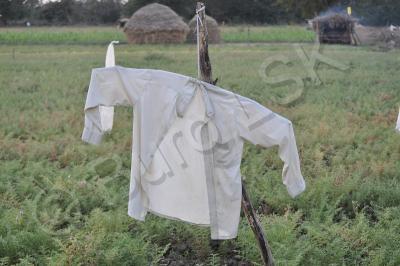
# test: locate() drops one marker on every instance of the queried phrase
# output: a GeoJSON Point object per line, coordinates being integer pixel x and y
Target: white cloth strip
{"type": "Point", "coordinates": [110, 56]}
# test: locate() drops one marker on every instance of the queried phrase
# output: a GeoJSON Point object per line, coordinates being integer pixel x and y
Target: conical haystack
{"type": "Point", "coordinates": [155, 23]}
{"type": "Point", "coordinates": [212, 28]}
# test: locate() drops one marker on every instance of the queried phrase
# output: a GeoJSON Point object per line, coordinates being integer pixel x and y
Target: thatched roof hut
{"type": "Point", "coordinates": [156, 23]}
{"type": "Point", "coordinates": [334, 28]}
{"type": "Point", "coordinates": [214, 35]}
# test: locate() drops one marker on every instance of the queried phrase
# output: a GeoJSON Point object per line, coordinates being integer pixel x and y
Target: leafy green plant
{"type": "Point", "coordinates": [349, 214]}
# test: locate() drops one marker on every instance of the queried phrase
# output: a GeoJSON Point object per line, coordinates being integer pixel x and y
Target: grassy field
{"type": "Point", "coordinates": [63, 202]}
{"type": "Point", "coordinates": [103, 35]}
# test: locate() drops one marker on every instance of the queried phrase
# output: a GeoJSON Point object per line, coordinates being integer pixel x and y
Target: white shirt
{"type": "Point", "coordinates": [187, 144]}
{"type": "Point", "coordinates": [398, 123]}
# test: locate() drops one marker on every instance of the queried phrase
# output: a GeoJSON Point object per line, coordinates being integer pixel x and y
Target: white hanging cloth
{"type": "Point", "coordinates": [187, 143]}
{"type": "Point", "coordinates": [107, 112]}
{"type": "Point", "coordinates": [110, 56]}
{"type": "Point", "coordinates": [398, 123]}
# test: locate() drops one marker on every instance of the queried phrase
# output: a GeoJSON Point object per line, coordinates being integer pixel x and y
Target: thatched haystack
{"type": "Point", "coordinates": [155, 23]}
{"type": "Point", "coordinates": [214, 35]}
{"type": "Point", "coordinates": [380, 36]}
{"type": "Point", "coordinates": [334, 29]}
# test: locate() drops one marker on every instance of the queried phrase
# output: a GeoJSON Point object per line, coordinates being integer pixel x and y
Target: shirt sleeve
{"type": "Point", "coordinates": [263, 127]}
{"type": "Point", "coordinates": [109, 87]}
{"type": "Point", "coordinates": [398, 123]}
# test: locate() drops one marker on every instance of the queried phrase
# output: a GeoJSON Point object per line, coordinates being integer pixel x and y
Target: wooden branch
{"type": "Point", "coordinates": [204, 59]}
{"type": "Point", "coordinates": [205, 74]}
{"type": "Point", "coordinates": [262, 241]}
{"type": "Point", "coordinates": [353, 35]}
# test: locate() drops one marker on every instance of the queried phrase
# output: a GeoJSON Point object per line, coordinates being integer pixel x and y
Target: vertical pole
{"type": "Point", "coordinates": [319, 34]}
{"type": "Point", "coordinates": [262, 241]}
{"type": "Point", "coordinates": [204, 64]}
{"type": "Point", "coordinates": [248, 35]}
{"type": "Point", "coordinates": [205, 74]}
{"type": "Point", "coordinates": [353, 35]}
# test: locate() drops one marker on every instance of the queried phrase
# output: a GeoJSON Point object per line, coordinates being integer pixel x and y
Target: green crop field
{"type": "Point", "coordinates": [63, 202]}
{"type": "Point", "coordinates": [103, 35]}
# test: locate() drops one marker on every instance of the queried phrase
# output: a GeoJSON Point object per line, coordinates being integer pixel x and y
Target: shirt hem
{"type": "Point", "coordinates": [181, 220]}
{"type": "Point", "coordinates": [224, 237]}
{"type": "Point", "coordinates": [296, 189]}
{"type": "Point", "coordinates": [176, 218]}
{"type": "Point", "coordinates": [90, 136]}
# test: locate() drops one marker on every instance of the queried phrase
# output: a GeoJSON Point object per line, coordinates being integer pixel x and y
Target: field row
{"type": "Point", "coordinates": [103, 35]}
{"type": "Point", "coordinates": [63, 202]}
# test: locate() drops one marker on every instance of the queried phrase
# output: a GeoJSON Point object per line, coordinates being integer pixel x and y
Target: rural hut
{"type": "Point", "coordinates": [214, 35]}
{"type": "Point", "coordinates": [335, 29]}
{"type": "Point", "coordinates": [155, 23]}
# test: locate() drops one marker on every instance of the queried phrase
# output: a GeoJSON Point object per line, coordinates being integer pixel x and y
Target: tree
{"type": "Point", "coordinates": [58, 12]}
{"type": "Point", "coordinates": [378, 12]}
{"type": "Point", "coordinates": [305, 9]}
{"type": "Point", "coordinates": [11, 10]}
{"type": "Point", "coordinates": [371, 12]}
{"type": "Point", "coordinates": [253, 11]}
{"type": "Point", "coordinates": [100, 11]}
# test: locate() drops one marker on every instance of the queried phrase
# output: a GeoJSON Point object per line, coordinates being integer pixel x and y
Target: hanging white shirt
{"type": "Point", "coordinates": [398, 123]}
{"type": "Point", "coordinates": [187, 144]}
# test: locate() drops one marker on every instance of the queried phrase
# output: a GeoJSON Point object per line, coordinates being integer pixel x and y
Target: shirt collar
{"type": "Point", "coordinates": [186, 97]}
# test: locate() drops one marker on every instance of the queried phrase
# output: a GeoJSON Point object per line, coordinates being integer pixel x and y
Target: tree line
{"type": "Point", "coordinates": [95, 12]}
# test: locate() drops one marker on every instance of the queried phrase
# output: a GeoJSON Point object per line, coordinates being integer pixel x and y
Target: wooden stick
{"type": "Point", "coordinates": [353, 35]}
{"type": "Point", "coordinates": [204, 59]}
{"type": "Point", "coordinates": [205, 74]}
{"type": "Point", "coordinates": [262, 241]}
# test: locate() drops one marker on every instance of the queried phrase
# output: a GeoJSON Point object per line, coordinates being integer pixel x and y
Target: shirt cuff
{"type": "Point", "coordinates": [92, 136]}
{"type": "Point", "coordinates": [295, 189]}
